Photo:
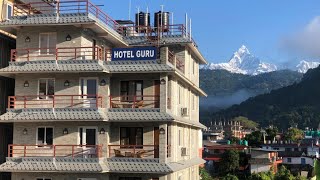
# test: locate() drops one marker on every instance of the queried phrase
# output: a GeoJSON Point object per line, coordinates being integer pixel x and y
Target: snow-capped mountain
{"type": "Point", "coordinates": [243, 62]}
{"type": "Point", "coordinates": [304, 66]}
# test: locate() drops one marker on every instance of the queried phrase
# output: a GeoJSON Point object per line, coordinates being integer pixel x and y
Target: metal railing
{"type": "Point", "coordinates": [55, 101]}
{"type": "Point", "coordinates": [65, 7]}
{"type": "Point", "coordinates": [175, 61]}
{"type": "Point", "coordinates": [61, 53]}
{"type": "Point", "coordinates": [72, 151]}
{"type": "Point", "coordinates": [145, 101]}
{"type": "Point", "coordinates": [134, 151]}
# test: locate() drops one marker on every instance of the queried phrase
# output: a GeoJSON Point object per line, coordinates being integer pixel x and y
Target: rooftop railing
{"type": "Point", "coordinates": [67, 151]}
{"type": "Point", "coordinates": [65, 7]}
{"type": "Point", "coordinates": [55, 101]}
{"type": "Point", "coordinates": [145, 101]}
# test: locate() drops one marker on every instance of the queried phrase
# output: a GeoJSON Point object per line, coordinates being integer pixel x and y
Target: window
{"type": "Point", "coordinates": [289, 160]}
{"type": "Point", "coordinates": [87, 136]}
{"type": "Point", "coordinates": [46, 88]}
{"type": "Point", "coordinates": [131, 136]}
{"type": "Point", "coordinates": [128, 89]}
{"type": "Point", "coordinates": [193, 67]}
{"type": "Point", "coordinates": [139, 90]}
{"type": "Point", "coordinates": [45, 136]}
{"type": "Point", "coordinates": [130, 178]}
{"type": "Point", "coordinates": [9, 11]}
{"type": "Point", "coordinates": [303, 161]}
{"type": "Point", "coordinates": [193, 101]}
{"type": "Point", "coordinates": [48, 42]}
{"type": "Point", "coordinates": [179, 136]}
{"type": "Point", "coordinates": [43, 179]}
{"type": "Point", "coordinates": [287, 149]}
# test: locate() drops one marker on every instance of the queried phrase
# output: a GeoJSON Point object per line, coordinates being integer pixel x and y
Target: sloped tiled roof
{"type": "Point", "coordinates": [94, 165]}
{"type": "Point", "coordinates": [37, 19]}
{"type": "Point", "coordinates": [55, 66]}
{"type": "Point", "coordinates": [137, 115]}
{"type": "Point", "coordinates": [137, 66]}
{"type": "Point", "coordinates": [167, 39]}
{"type": "Point", "coordinates": [136, 165]}
{"type": "Point", "coordinates": [51, 164]}
{"type": "Point", "coordinates": [43, 114]}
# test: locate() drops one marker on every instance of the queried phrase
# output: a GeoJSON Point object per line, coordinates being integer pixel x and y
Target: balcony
{"type": "Point", "coordinates": [65, 7]}
{"type": "Point", "coordinates": [175, 61]}
{"type": "Point", "coordinates": [134, 151]}
{"type": "Point", "coordinates": [55, 101]}
{"type": "Point", "coordinates": [146, 101]}
{"type": "Point", "coordinates": [61, 53]}
{"type": "Point", "coordinates": [67, 151]}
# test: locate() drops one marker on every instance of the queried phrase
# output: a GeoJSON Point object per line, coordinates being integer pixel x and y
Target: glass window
{"type": "Point", "coordinates": [139, 90]}
{"type": "Point", "coordinates": [289, 160]}
{"type": "Point", "coordinates": [46, 88]}
{"type": "Point", "coordinates": [131, 136]}
{"type": "Point", "coordinates": [303, 161]}
{"type": "Point", "coordinates": [9, 11]}
{"type": "Point", "coordinates": [45, 136]}
{"type": "Point", "coordinates": [124, 90]}
{"type": "Point", "coordinates": [48, 42]}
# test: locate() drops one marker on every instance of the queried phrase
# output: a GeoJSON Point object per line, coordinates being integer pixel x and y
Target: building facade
{"type": "Point", "coordinates": [263, 160]}
{"type": "Point", "coordinates": [80, 113]}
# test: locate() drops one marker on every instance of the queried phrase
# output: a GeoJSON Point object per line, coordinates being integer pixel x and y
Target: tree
{"type": "Point", "coordinates": [230, 177]}
{"type": "Point", "coordinates": [261, 176]}
{"type": "Point", "coordinates": [294, 134]}
{"type": "Point", "coordinates": [254, 139]}
{"type": "Point", "coordinates": [283, 174]}
{"type": "Point", "coordinates": [229, 162]}
{"type": "Point", "coordinates": [272, 132]}
{"type": "Point", "coordinates": [246, 123]}
{"type": "Point", "coordinates": [204, 174]}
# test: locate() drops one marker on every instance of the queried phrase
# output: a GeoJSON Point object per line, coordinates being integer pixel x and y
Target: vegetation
{"type": "Point", "coordinates": [297, 105]}
{"type": "Point", "coordinates": [246, 123]}
{"type": "Point", "coordinates": [230, 177]}
{"type": "Point", "coordinates": [282, 174]}
{"type": "Point", "coordinates": [255, 139]}
{"type": "Point", "coordinates": [204, 174]}
{"type": "Point", "coordinates": [229, 162]}
{"type": "Point", "coordinates": [294, 134]}
{"type": "Point", "coordinates": [272, 132]}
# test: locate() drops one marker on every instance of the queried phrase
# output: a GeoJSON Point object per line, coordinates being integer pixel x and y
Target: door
{"type": "Point", "coordinates": [88, 140]}
{"type": "Point", "coordinates": [157, 94]}
{"type": "Point", "coordinates": [91, 136]}
{"type": "Point", "coordinates": [156, 141]}
{"type": "Point", "coordinates": [89, 92]}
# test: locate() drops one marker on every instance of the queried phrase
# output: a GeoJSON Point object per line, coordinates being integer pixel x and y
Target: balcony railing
{"type": "Point", "coordinates": [175, 29]}
{"type": "Point", "coordinates": [61, 53]}
{"type": "Point", "coordinates": [174, 60]}
{"type": "Point", "coordinates": [71, 151]}
{"type": "Point", "coordinates": [65, 7]}
{"type": "Point", "coordinates": [146, 101]}
{"type": "Point", "coordinates": [55, 101]}
{"type": "Point", "coordinates": [134, 151]}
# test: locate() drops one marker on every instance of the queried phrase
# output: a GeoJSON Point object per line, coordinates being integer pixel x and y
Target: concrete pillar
{"type": "Point", "coordinates": [163, 144]}
{"type": "Point", "coordinates": [164, 55]}
{"type": "Point", "coordinates": [163, 92]}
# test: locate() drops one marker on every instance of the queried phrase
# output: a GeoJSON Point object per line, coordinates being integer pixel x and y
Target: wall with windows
{"type": "Point", "coordinates": [48, 84]}
{"type": "Point", "coordinates": [297, 160]}
{"type": "Point", "coordinates": [60, 176]}
{"type": "Point", "coordinates": [51, 37]}
{"type": "Point", "coordinates": [51, 133]}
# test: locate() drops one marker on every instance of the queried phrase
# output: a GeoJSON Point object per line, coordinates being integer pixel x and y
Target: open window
{"type": "Point", "coordinates": [44, 136]}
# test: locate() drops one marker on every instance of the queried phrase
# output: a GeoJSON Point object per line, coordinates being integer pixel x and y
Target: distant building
{"type": "Point", "coordinates": [227, 129]}
{"type": "Point", "coordinates": [263, 160]}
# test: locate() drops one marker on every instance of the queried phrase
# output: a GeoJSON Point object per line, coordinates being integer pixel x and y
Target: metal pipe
{"type": "Point", "coordinates": [190, 31]}
{"type": "Point", "coordinates": [186, 23]}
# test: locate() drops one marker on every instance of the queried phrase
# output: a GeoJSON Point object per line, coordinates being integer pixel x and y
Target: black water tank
{"type": "Point", "coordinates": [161, 19]}
{"type": "Point", "coordinates": [142, 20]}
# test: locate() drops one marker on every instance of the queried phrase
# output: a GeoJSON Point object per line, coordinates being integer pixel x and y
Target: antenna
{"type": "Point", "coordinates": [190, 31]}
{"type": "Point", "coordinates": [186, 23]}
{"type": "Point", "coordinates": [129, 9]}
{"type": "Point", "coordinates": [172, 18]}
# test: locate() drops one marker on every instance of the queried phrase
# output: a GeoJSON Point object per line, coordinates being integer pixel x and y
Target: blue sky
{"type": "Point", "coordinates": [221, 26]}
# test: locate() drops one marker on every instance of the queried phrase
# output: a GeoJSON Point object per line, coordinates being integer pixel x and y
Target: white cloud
{"type": "Point", "coordinates": [306, 42]}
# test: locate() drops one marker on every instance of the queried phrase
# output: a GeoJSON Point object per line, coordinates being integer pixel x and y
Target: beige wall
{"type": "Point", "coordinates": [79, 38]}
{"type": "Point", "coordinates": [60, 89]}
{"type": "Point", "coordinates": [72, 138]}
{"type": "Point", "coordinates": [59, 176]}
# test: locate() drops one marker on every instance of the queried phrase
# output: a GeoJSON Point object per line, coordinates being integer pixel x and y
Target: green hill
{"type": "Point", "coordinates": [294, 105]}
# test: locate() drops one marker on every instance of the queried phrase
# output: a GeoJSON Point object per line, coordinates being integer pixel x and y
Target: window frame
{"type": "Point", "coordinates": [48, 43]}
{"type": "Point", "coordinates": [81, 144]}
{"type": "Point", "coordinates": [54, 87]}
{"type": "Point", "coordinates": [81, 89]}
{"type": "Point", "coordinates": [289, 160]}
{"type": "Point", "coordinates": [45, 136]}
{"type": "Point", "coordinates": [128, 135]}
{"type": "Point", "coordinates": [7, 13]}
